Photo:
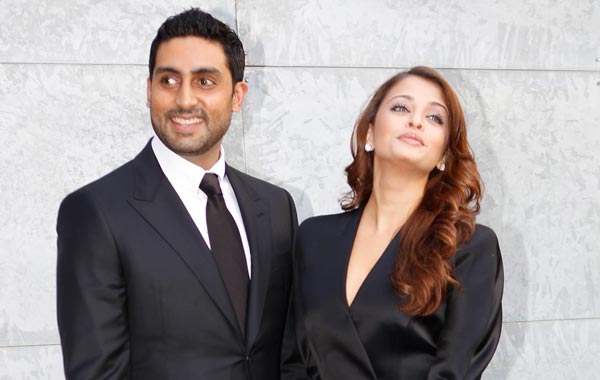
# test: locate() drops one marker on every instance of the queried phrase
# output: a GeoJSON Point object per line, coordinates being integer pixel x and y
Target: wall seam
{"type": "Point", "coordinates": [553, 320]}
{"type": "Point", "coordinates": [304, 67]}
{"type": "Point", "coordinates": [237, 28]}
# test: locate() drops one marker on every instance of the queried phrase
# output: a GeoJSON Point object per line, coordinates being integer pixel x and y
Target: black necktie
{"type": "Point", "coordinates": [226, 246]}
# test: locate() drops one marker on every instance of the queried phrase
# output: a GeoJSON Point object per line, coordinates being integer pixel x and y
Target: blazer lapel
{"type": "Point", "coordinates": [257, 225]}
{"type": "Point", "coordinates": [157, 202]}
{"type": "Point", "coordinates": [356, 350]}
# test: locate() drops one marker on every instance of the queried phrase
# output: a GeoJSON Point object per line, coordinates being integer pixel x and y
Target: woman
{"type": "Point", "coordinates": [404, 284]}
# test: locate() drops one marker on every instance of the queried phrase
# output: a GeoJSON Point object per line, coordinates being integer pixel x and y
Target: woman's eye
{"type": "Point", "coordinates": [436, 118]}
{"type": "Point", "coordinates": [400, 108]}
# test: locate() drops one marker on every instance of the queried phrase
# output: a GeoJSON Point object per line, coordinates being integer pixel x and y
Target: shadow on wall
{"type": "Point", "coordinates": [258, 90]}
{"type": "Point", "coordinates": [497, 212]}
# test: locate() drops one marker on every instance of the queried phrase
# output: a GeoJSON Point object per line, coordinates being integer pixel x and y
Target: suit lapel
{"type": "Point", "coordinates": [257, 225]}
{"type": "Point", "coordinates": [354, 345]}
{"type": "Point", "coordinates": [158, 203]}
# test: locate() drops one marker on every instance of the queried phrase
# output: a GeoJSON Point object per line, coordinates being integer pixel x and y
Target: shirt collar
{"type": "Point", "coordinates": [182, 172]}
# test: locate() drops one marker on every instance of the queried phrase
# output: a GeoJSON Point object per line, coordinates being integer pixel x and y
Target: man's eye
{"type": "Point", "coordinates": [170, 81]}
{"type": "Point", "coordinates": [400, 107]}
{"type": "Point", "coordinates": [206, 82]}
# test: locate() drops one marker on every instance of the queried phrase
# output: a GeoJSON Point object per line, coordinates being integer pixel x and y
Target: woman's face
{"type": "Point", "coordinates": [411, 125]}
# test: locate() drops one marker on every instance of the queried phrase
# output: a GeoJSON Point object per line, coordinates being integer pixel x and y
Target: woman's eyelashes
{"type": "Point", "coordinates": [399, 107]}
{"type": "Point", "coordinates": [436, 118]}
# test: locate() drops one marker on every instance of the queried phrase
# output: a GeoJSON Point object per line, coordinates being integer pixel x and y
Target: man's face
{"type": "Point", "coordinates": [191, 98]}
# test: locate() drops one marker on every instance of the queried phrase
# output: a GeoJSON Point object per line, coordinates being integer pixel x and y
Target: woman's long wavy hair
{"type": "Point", "coordinates": [444, 218]}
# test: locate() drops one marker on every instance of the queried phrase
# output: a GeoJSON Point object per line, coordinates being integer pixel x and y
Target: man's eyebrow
{"type": "Point", "coordinates": [166, 69]}
{"type": "Point", "coordinates": [199, 70]}
{"type": "Point", "coordinates": [206, 70]}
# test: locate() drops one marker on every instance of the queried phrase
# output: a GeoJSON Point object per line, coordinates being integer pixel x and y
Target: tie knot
{"type": "Point", "coordinates": [210, 184]}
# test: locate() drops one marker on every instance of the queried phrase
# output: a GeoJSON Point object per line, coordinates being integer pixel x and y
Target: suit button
{"type": "Point", "coordinates": [247, 358]}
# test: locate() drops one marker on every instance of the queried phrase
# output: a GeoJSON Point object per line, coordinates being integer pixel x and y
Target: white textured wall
{"type": "Point", "coordinates": [72, 107]}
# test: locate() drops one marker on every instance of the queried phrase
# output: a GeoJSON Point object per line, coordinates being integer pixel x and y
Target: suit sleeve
{"type": "Point", "coordinates": [297, 361]}
{"type": "Point", "coordinates": [292, 363]}
{"type": "Point", "coordinates": [473, 312]}
{"type": "Point", "coordinates": [91, 294]}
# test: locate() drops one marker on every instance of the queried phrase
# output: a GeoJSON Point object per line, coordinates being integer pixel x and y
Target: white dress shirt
{"type": "Point", "coordinates": [185, 177]}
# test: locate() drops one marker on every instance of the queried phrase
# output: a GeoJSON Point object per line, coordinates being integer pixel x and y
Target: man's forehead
{"type": "Point", "coordinates": [190, 50]}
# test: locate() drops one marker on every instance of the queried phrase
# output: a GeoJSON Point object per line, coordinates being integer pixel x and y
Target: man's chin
{"type": "Point", "coordinates": [191, 148]}
{"type": "Point", "coordinates": [188, 145]}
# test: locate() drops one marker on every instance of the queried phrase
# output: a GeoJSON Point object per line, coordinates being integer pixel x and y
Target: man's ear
{"type": "Point", "coordinates": [148, 91]}
{"type": "Point", "coordinates": [240, 89]}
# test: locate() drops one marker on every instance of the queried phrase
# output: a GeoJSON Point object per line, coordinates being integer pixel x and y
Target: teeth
{"type": "Point", "coordinates": [180, 120]}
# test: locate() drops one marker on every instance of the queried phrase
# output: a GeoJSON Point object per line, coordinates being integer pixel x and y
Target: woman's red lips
{"type": "Point", "coordinates": [412, 138]}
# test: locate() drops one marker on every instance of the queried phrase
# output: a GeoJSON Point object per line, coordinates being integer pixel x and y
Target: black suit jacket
{"type": "Point", "coordinates": [139, 294]}
{"type": "Point", "coordinates": [372, 339]}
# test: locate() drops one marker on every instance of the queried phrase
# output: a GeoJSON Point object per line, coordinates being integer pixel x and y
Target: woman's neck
{"type": "Point", "coordinates": [396, 194]}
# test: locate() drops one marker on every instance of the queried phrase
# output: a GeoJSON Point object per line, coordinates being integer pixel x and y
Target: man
{"type": "Point", "coordinates": [176, 265]}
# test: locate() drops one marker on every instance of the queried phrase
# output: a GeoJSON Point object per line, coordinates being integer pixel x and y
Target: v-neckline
{"type": "Point", "coordinates": [348, 251]}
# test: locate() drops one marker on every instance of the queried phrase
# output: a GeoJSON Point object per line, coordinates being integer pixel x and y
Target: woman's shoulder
{"type": "Point", "coordinates": [483, 238]}
{"type": "Point", "coordinates": [327, 224]}
{"type": "Point", "coordinates": [482, 251]}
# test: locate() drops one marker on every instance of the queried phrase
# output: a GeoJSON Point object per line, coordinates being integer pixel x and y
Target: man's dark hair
{"type": "Point", "coordinates": [195, 22]}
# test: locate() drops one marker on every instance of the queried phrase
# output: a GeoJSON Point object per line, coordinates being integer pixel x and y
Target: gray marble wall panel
{"type": "Point", "coordinates": [62, 127]}
{"type": "Point", "coordinates": [535, 137]}
{"type": "Point", "coordinates": [552, 350]}
{"type": "Point", "coordinates": [31, 363]}
{"type": "Point", "coordinates": [515, 34]}
{"type": "Point", "coordinates": [88, 31]}
{"type": "Point", "coordinates": [298, 124]}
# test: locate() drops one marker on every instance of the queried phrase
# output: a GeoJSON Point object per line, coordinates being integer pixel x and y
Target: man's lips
{"type": "Point", "coordinates": [186, 120]}
{"type": "Point", "coordinates": [186, 123]}
{"type": "Point", "coordinates": [412, 138]}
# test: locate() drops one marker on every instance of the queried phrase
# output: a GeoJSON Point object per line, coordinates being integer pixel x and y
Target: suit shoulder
{"type": "Point", "coordinates": [326, 223]}
{"type": "Point", "coordinates": [84, 207]}
{"type": "Point", "coordinates": [481, 251]}
{"type": "Point", "coordinates": [483, 239]}
{"type": "Point", "coordinates": [106, 186]}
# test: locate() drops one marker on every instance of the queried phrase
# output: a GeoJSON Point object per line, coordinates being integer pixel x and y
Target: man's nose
{"type": "Point", "coordinates": [186, 98]}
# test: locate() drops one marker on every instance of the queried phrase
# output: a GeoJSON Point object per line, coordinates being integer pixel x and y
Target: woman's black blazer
{"type": "Point", "coordinates": [372, 339]}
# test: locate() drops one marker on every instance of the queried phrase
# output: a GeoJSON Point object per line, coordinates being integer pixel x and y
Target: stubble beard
{"type": "Point", "coordinates": [213, 132]}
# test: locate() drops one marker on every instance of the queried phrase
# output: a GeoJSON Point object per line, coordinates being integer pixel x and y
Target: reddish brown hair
{"type": "Point", "coordinates": [445, 217]}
